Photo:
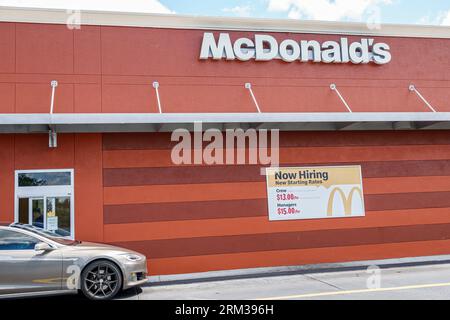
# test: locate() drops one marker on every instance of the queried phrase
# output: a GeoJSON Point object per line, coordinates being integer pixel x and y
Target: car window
{"type": "Point", "coordinates": [48, 234]}
{"type": "Point", "coordinates": [12, 240]}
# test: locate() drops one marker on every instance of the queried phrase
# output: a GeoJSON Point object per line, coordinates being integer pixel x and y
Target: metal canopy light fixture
{"type": "Point", "coordinates": [52, 135]}
{"type": "Point", "coordinates": [52, 138]}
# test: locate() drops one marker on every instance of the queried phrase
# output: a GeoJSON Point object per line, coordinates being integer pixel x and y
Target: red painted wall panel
{"type": "Point", "coordinates": [32, 152]}
{"type": "Point", "coordinates": [6, 178]}
{"type": "Point", "coordinates": [87, 50]}
{"type": "Point", "coordinates": [438, 97]}
{"type": "Point", "coordinates": [44, 49]}
{"type": "Point", "coordinates": [35, 98]}
{"type": "Point", "coordinates": [134, 98]}
{"type": "Point", "coordinates": [87, 98]}
{"type": "Point", "coordinates": [88, 187]}
{"type": "Point", "coordinates": [397, 99]}
{"type": "Point", "coordinates": [81, 152]}
{"type": "Point", "coordinates": [8, 99]}
{"type": "Point", "coordinates": [111, 69]}
{"type": "Point", "coordinates": [206, 99]}
{"type": "Point", "coordinates": [7, 47]}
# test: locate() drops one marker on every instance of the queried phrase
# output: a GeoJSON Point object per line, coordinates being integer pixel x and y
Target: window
{"type": "Point", "coordinates": [39, 179]}
{"type": "Point", "coordinates": [44, 199]}
{"type": "Point", "coordinates": [12, 240]}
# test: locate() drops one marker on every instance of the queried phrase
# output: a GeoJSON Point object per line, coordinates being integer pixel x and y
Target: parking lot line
{"type": "Point", "coordinates": [346, 292]}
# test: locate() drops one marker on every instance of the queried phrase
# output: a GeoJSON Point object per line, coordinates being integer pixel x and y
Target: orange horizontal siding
{"type": "Point", "coordinates": [162, 158]}
{"type": "Point", "coordinates": [296, 257]}
{"type": "Point", "coordinates": [137, 158]}
{"type": "Point", "coordinates": [184, 193]}
{"type": "Point", "coordinates": [406, 184]}
{"type": "Point", "coordinates": [260, 225]}
{"type": "Point", "coordinates": [255, 190]}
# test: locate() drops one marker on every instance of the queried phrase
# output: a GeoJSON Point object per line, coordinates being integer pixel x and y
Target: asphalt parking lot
{"type": "Point", "coordinates": [428, 281]}
{"type": "Point", "coordinates": [423, 281]}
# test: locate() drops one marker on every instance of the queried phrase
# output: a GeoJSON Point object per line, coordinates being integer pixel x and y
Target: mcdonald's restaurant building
{"type": "Point", "coordinates": [87, 114]}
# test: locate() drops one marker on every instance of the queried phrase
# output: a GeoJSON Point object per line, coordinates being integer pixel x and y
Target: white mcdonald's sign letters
{"type": "Point", "coordinates": [266, 48]}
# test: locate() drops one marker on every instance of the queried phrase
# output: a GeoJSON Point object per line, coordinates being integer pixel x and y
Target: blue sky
{"type": "Point", "coordinates": [394, 11]}
{"type": "Point", "coordinates": [385, 11]}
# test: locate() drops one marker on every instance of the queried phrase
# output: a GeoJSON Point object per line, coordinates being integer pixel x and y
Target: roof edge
{"type": "Point", "coordinates": [174, 21]}
{"type": "Point", "coordinates": [155, 122]}
{"type": "Point", "coordinates": [143, 118]}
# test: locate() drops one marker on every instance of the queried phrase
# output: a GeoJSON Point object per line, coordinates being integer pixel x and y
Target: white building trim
{"type": "Point", "coordinates": [155, 122]}
{"type": "Point", "coordinates": [172, 21]}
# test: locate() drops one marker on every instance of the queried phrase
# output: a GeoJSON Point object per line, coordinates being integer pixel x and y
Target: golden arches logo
{"type": "Point", "coordinates": [346, 201]}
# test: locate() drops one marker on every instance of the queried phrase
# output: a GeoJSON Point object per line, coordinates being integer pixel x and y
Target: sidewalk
{"type": "Point", "coordinates": [396, 279]}
{"type": "Point", "coordinates": [292, 270]}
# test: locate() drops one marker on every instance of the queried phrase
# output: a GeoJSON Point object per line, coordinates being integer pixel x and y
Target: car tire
{"type": "Point", "coordinates": [101, 280]}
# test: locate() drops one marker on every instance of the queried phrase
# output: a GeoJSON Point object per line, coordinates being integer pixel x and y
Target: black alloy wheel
{"type": "Point", "coordinates": [101, 280]}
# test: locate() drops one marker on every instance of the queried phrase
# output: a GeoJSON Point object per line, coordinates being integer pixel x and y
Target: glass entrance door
{"type": "Point", "coordinates": [58, 215]}
{"type": "Point", "coordinates": [36, 212]}
{"type": "Point", "coordinates": [50, 213]}
{"type": "Point", "coordinates": [44, 199]}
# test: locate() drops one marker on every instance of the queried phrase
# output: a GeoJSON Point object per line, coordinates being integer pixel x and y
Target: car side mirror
{"type": "Point", "coordinates": [42, 246]}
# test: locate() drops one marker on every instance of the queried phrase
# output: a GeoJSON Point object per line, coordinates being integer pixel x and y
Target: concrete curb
{"type": "Point", "coordinates": [291, 270]}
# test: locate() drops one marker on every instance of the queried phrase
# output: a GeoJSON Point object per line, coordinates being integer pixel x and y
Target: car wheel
{"type": "Point", "coordinates": [101, 280]}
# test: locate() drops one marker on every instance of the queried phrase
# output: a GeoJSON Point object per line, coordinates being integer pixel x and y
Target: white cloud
{"type": "Point", "coordinates": [145, 6]}
{"type": "Point", "coordinates": [240, 11]}
{"type": "Point", "coordinates": [446, 19]}
{"type": "Point", "coordinates": [443, 19]}
{"type": "Point", "coordinates": [332, 10]}
{"type": "Point", "coordinates": [425, 20]}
